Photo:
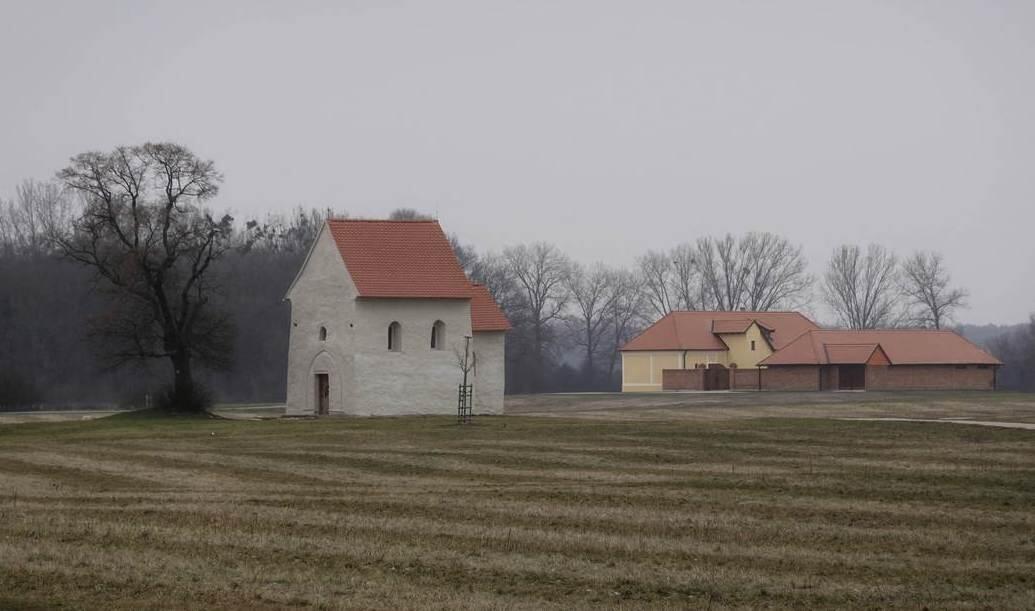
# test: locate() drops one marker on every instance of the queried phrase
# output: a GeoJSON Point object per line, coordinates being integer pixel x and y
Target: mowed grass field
{"type": "Point", "coordinates": [137, 511]}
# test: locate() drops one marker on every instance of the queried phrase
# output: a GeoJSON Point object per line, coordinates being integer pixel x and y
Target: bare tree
{"type": "Point", "coordinates": [465, 360]}
{"type": "Point", "coordinates": [291, 233]}
{"type": "Point", "coordinates": [658, 275]}
{"type": "Point", "coordinates": [408, 214]}
{"type": "Point", "coordinates": [539, 271]}
{"type": "Point", "coordinates": [687, 282]}
{"type": "Point", "coordinates": [26, 221]}
{"type": "Point", "coordinates": [757, 272]}
{"type": "Point", "coordinates": [671, 280]}
{"type": "Point", "coordinates": [7, 231]}
{"type": "Point", "coordinates": [626, 304]}
{"type": "Point", "coordinates": [925, 283]}
{"type": "Point", "coordinates": [493, 271]}
{"type": "Point", "coordinates": [589, 319]}
{"type": "Point", "coordinates": [145, 234]}
{"type": "Point", "coordinates": [862, 289]}
{"type": "Point", "coordinates": [723, 271]}
{"type": "Point", "coordinates": [1016, 349]}
{"type": "Point", "coordinates": [465, 254]}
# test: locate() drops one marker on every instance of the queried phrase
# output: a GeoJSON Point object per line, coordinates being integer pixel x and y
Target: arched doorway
{"type": "Point", "coordinates": [326, 391]}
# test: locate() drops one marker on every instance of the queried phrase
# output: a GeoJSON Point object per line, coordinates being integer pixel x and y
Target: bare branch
{"type": "Point", "coordinates": [862, 289]}
{"type": "Point", "coordinates": [757, 272]}
{"type": "Point", "coordinates": [926, 284]}
{"type": "Point", "coordinates": [144, 232]}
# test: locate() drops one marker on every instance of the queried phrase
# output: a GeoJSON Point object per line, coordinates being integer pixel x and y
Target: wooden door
{"type": "Point", "coordinates": [323, 394]}
{"type": "Point", "coordinates": [851, 377]}
{"type": "Point", "coordinates": [716, 377]}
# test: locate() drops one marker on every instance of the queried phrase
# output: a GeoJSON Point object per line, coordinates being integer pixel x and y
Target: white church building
{"type": "Point", "coordinates": [380, 312]}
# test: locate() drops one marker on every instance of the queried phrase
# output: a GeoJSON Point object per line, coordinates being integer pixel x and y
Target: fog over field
{"type": "Point", "coordinates": [606, 128]}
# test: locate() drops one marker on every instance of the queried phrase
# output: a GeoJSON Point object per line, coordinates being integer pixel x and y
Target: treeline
{"type": "Point", "coordinates": [569, 318]}
{"type": "Point", "coordinates": [52, 349]}
{"type": "Point", "coordinates": [1016, 349]}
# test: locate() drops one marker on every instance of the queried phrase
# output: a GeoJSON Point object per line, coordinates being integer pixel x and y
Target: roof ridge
{"type": "Point", "coordinates": [852, 344]}
{"type": "Point", "coordinates": [364, 220]}
{"type": "Point", "coordinates": [737, 312]}
{"type": "Point", "coordinates": [891, 330]}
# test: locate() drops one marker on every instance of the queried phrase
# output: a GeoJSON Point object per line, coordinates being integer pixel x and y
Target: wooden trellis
{"type": "Point", "coordinates": [464, 403]}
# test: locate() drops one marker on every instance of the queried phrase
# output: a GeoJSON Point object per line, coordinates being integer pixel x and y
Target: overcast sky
{"type": "Point", "coordinates": [604, 127]}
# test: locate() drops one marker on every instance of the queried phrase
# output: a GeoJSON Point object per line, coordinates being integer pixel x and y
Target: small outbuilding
{"type": "Point", "coordinates": [893, 359]}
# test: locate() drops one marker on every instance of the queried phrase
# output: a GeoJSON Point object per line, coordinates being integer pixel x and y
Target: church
{"type": "Point", "coordinates": [382, 315]}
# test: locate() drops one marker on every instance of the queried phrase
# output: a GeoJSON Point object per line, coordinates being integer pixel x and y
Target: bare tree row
{"type": "Point", "coordinates": [569, 315]}
{"type": "Point", "coordinates": [871, 288]}
{"type": "Point", "coordinates": [755, 272]}
{"type": "Point", "coordinates": [169, 280]}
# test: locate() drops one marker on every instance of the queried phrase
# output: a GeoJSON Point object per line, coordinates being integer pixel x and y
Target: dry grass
{"type": "Point", "coordinates": [978, 405]}
{"type": "Point", "coordinates": [515, 512]}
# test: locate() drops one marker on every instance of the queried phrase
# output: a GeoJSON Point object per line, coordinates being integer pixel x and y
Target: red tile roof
{"type": "Point", "coordinates": [400, 259]}
{"type": "Point", "coordinates": [739, 325]}
{"type": "Point", "coordinates": [694, 330]}
{"type": "Point", "coordinates": [485, 314]}
{"type": "Point", "coordinates": [902, 347]}
{"type": "Point", "coordinates": [850, 354]}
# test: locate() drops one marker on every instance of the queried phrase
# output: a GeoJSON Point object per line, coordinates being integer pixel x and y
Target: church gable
{"type": "Point", "coordinates": [322, 272]}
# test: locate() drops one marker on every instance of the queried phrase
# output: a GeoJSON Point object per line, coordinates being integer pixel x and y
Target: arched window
{"type": "Point", "coordinates": [323, 334]}
{"type": "Point", "coordinates": [395, 337]}
{"type": "Point", "coordinates": [438, 335]}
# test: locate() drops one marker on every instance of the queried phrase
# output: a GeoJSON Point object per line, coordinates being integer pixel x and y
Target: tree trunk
{"type": "Point", "coordinates": [183, 398]}
{"type": "Point", "coordinates": [590, 373]}
{"type": "Point", "coordinates": [537, 357]}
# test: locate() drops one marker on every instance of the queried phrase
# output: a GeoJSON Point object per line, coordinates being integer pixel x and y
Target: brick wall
{"type": "Point", "coordinates": [682, 379]}
{"type": "Point", "coordinates": [810, 377]}
{"type": "Point", "coordinates": [791, 377]}
{"type": "Point", "coordinates": [829, 377]}
{"type": "Point", "coordinates": [929, 377]}
{"type": "Point", "coordinates": [744, 379]}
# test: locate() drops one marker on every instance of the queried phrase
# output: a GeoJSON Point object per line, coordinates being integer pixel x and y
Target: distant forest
{"type": "Point", "coordinates": [569, 319]}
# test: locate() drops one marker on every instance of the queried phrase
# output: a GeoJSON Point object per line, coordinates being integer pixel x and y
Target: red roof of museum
{"type": "Point", "coordinates": [739, 325]}
{"type": "Point", "coordinates": [400, 259]}
{"type": "Point", "coordinates": [699, 330]}
{"type": "Point", "coordinates": [486, 315]}
{"type": "Point", "coordinates": [850, 354]}
{"type": "Point", "coordinates": [902, 347]}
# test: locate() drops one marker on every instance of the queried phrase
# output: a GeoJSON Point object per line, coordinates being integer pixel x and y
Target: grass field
{"type": "Point", "coordinates": [135, 512]}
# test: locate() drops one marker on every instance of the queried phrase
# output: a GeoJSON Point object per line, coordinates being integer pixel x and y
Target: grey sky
{"type": "Point", "coordinates": [605, 127]}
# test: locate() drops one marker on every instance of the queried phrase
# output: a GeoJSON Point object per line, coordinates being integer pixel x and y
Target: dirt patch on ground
{"type": "Point", "coordinates": [987, 406]}
{"type": "Point", "coordinates": [55, 416]}
{"type": "Point", "coordinates": [1030, 426]}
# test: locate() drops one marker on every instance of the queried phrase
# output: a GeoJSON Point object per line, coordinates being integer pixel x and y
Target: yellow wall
{"type": "Point", "coordinates": [641, 371]}
{"type": "Point", "coordinates": [703, 358]}
{"type": "Point", "coordinates": [740, 347]}
{"type": "Point", "coordinates": [636, 369]}
{"type": "Point", "coordinates": [665, 360]}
